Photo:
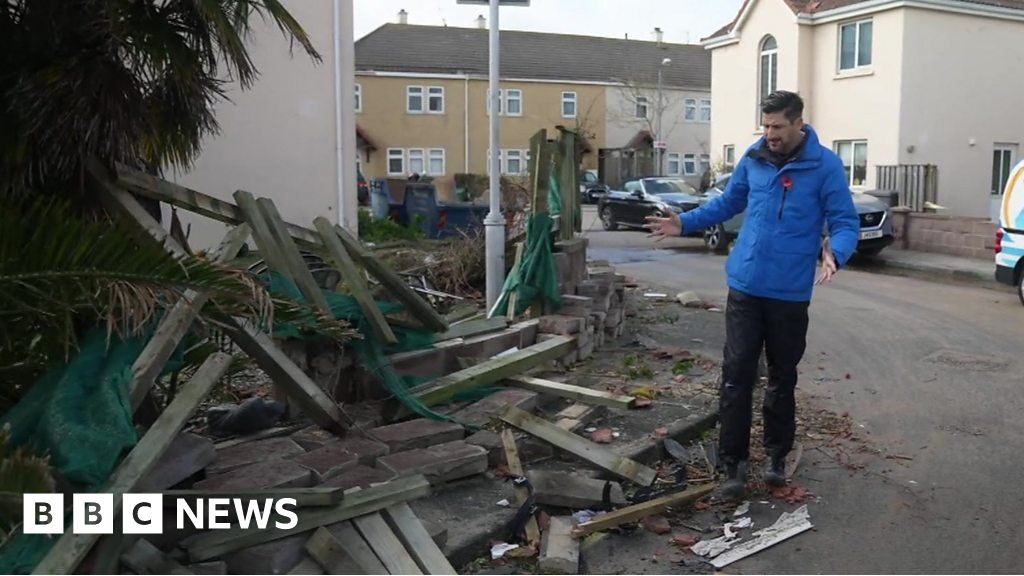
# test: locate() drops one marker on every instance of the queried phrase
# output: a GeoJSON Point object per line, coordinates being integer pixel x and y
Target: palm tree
{"type": "Point", "coordinates": [131, 81]}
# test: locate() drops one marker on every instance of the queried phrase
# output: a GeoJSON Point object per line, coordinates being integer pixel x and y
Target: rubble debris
{"type": "Point", "coordinates": [602, 436]}
{"type": "Point", "coordinates": [499, 550]}
{"type": "Point", "coordinates": [690, 299]}
{"type": "Point", "coordinates": [656, 524]}
{"type": "Point", "coordinates": [580, 447]}
{"type": "Point", "coordinates": [515, 467]}
{"type": "Point", "coordinates": [787, 526]}
{"type": "Point", "coordinates": [685, 540]}
{"type": "Point", "coordinates": [573, 491]}
{"type": "Point", "coordinates": [712, 548]}
{"type": "Point", "coordinates": [439, 464]}
{"type": "Point", "coordinates": [738, 525]}
{"type": "Point", "coordinates": [742, 509]}
{"type": "Point", "coordinates": [791, 494]}
{"type": "Point", "coordinates": [559, 551]}
{"type": "Point", "coordinates": [638, 511]}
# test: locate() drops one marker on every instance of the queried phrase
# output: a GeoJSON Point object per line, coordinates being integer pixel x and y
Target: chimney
{"type": "Point", "coordinates": [658, 35]}
{"type": "Point", "coordinates": [481, 22]}
{"type": "Point", "coordinates": [403, 16]}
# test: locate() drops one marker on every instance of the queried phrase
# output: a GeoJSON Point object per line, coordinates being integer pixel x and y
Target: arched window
{"type": "Point", "coordinates": [769, 69]}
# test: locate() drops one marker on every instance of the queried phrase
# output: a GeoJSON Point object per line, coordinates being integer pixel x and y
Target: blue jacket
{"type": "Point", "coordinates": [777, 251]}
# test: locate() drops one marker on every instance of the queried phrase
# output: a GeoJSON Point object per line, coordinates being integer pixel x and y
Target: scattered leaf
{"type": "Point", "coordinates": [602, 436]}
{"type": "Point", "coordinates": [643, 403]}
{"type": "Point", "coordinates": [644, 392]}
{"type": "Point", "coordinates": [680, 378]}
{"type": "Point", "coordinates": [702, 505]}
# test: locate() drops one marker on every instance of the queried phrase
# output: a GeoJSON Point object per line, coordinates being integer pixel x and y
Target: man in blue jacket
{"type": "Point", "coordinates": [790, 185]}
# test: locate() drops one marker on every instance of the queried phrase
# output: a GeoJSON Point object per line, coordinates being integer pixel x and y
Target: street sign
{"type": "Point", "coordinates": [523, 3]}
{"type": "Point", "coordinates": [661, 145]}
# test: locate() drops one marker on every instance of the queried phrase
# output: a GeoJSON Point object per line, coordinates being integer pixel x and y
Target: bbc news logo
{"type": "Point", "coordinates": [144, 513]}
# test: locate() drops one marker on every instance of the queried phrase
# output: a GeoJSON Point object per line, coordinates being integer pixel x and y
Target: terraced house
{"type": "Point", "coordinates": [918, 95]}
{"type": "Point", "coordinates": [422, 99]}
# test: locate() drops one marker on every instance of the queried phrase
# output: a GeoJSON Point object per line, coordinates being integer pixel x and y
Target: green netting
{"type": "Point", "coordinates": [80, 414]}
{"type": "Point", "coordinates": [536, 276]}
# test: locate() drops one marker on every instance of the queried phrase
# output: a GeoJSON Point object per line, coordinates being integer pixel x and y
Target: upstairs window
{"type": "Point", "coordinates": [855, 45]}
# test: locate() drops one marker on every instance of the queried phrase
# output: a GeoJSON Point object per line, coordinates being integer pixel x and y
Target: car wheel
{"type": "Point", "coordinates": [869, 251]}
{"type": "Point", "coordinates": [716, 239]}
{"type": "Point", "coordinates": [607, 221]}
{"type": "Point", "coordinates": [1020, 286]}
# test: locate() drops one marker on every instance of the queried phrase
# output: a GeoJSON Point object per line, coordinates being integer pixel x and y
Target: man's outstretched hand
{"type": "Point", "coordinates": [828, 264]}
{"type": "Point", "coordinates": [661, 227]}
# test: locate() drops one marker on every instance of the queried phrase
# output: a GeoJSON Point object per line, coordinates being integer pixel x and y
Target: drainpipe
{"type": "Point", "coordinates": [465, 121]}
{"type": "Point", "coordinates": [345, 120]}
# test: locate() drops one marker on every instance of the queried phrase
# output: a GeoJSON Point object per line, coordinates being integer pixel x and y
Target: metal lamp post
{"type": "Point", "coordinates": [657, 138]}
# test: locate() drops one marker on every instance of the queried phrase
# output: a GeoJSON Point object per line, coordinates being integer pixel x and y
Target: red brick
{"type": "Point", "coordinates": [359, 476]}
{"type": "Point", "coordinates": [492, 443]}
{"type": "Point", "coordinates": [247, 453]}
{"type": "Point", "coordinates": [419, 433]}
{"type": "Point", "coordinates": [276, 473]}
{"type": "Point", "coordinates": [439, 464]}
{"type": "Point", "coordinates": [313, 437]}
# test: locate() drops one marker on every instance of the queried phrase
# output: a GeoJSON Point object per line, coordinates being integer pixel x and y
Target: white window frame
{"type": "Point", "coordinates": [506, 156]}
{"type": "Point", "coordinates": [772, 55]}
{"type": "Point", "coordinates": [690, 110]}
{"type": "Point", "coordinates": [399, 154]}
{"type": "Point", "coordinates": [569, 98]}
{"type": "Point", "coordinates": [435, 154]}
{"type": "Point", "coordinates": [433, 92]}
{"type": "Point", "coordinates": [705, 105]}
{"type": "Point", "coordinates": [678, 160]}
{"type": "Point", "coordinates": [507, 97]}
{"type": "Point", "coordinates": [854, 144]}
{"type": "Point", "coordinates": [1000, 149]}
{"type": "Point", "coordinates": [689, 164]}
{"type": "Point", "coordinates": [416, 155]}
{"type": "Point", "coordinates": [857, 64]}
{"type": "Point", "coordinates": [642, 103]}
{"type": "Point", "coordinates": [729, 154]}
{"type": "Point", "coordinates": [409, 93]}
{"type": "Point", "coordinates": [359, 98]}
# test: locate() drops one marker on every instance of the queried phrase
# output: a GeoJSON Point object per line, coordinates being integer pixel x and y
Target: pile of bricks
{"type": "Point", "coordinates": [592, 294]}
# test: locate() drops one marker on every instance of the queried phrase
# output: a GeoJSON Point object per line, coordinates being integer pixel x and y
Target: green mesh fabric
{"type": "Point", "coordinates": [536, 276]}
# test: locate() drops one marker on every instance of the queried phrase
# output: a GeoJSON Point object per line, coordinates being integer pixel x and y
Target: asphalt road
{"type": "Point", "coordinates": [936, 375]}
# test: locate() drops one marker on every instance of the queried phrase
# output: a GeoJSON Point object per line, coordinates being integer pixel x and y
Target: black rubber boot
{"type": "Point", "coordinates": [735, 485]}
{"type": "Point", "coordinates": [775, 473]}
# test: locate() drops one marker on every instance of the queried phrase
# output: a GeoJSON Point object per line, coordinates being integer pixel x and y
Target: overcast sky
{"type": "Point", "coordinates": [683, 21]}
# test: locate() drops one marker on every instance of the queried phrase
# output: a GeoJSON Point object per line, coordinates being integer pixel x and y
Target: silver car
{"type": "Point", "coordinates": [875, 222]}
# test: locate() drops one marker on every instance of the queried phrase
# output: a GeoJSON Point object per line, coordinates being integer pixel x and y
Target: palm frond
{"type": "Point", "coordinates": [21, 472]}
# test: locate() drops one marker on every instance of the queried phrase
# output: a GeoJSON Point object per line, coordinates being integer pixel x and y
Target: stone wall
{"type": "Point", "coordinates": [957, 236]}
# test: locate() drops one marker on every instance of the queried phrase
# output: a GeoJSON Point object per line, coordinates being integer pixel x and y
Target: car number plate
{"type": "Point", "coordinates": [871, 235]}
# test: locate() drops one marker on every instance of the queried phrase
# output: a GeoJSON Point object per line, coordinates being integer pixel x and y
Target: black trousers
{"type": "Point", "coordinates": [779, 328]}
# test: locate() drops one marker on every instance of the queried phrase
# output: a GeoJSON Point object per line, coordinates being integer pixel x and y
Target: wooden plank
{"type": "Point", "coordinates": [586, 395]}
{"type": "Point", "coordinates": [367, 501]}
{"type": "Point", "coordinates": [515, 466]}
{"type": "Point", "coordinates": [354, 279]}
{"type": "Point", "coordinates": [270, 251]}
{"type": "Point", "coordinates": [473, 328]}
{"type": "Point", "coordinates": [357, 548]}
{"type": "Point", "coordinates": [199, 203]}
{"type": "Point", "coordinates": [559, 552]}
{"type": "Point", "coordinates": [71, 548]}
{"type": "Point", "coordinates": [308, 567]}
{"type": "Point", "coordinates": [580, 447]}
{"type": "Point", "coordinates": [417, 540]}
{"type": "Point", "coordinates": [397, 287]}
{"type": "Point", "coordinates": [176, 323]}
{"type": "Point", "coordinates": [638, 511]}
{"type": "Point", "coordinates": [490, 371]}
{"type": "Point", "coordinates": [292, 257]}
{"type": "Point", "coordinates": [513, 298]}
{"type": "Point", "coordinates": [323, 547]}
{"type": "Point", "coordinates": [304, 497]}
{"type": "Point", "coordinates": [386, 545]}
{"type": "Point", "coordinates": [540, 171]}
{"type": "Point", "coordinates": [300, 387]}
{"type": "Point", "coordinates": [145, 558]}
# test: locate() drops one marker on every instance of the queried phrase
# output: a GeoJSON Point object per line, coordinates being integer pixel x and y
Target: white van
{"type": "Point", "coordinates": [1010, 236]}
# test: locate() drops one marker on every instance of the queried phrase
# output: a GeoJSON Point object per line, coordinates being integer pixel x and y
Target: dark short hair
{"type": "Point", "coordinates": [783, 101]}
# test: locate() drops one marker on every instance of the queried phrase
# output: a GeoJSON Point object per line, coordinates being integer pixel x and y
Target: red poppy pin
{"type": "Point", "coordinates": [787, 182]}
